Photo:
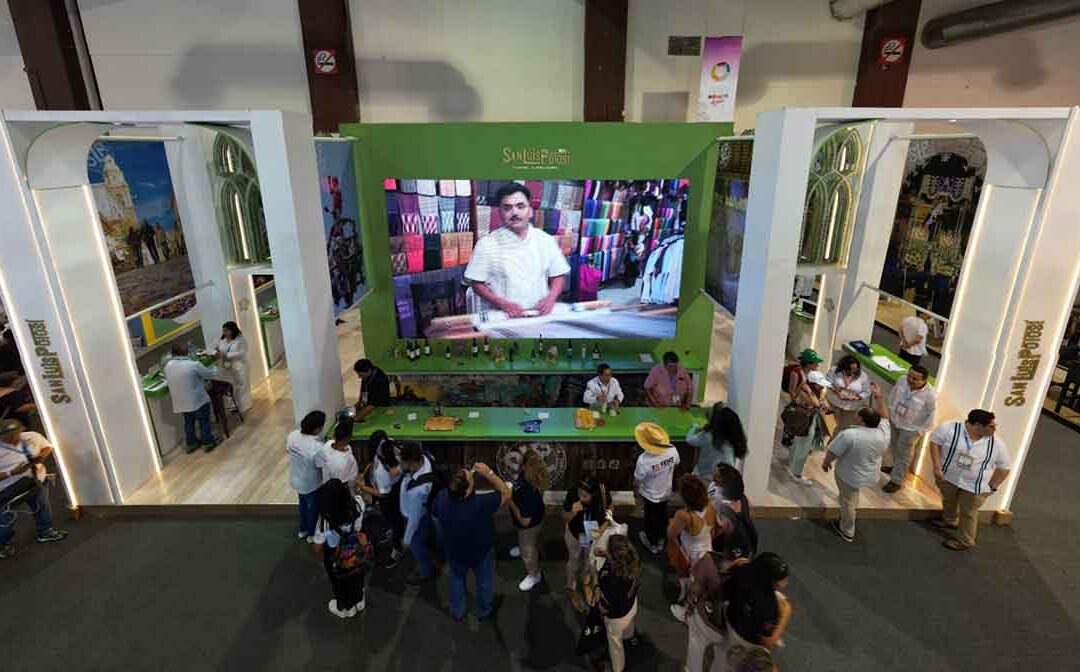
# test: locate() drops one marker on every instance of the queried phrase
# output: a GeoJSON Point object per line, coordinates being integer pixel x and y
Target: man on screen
{"type": "Point", "coordinates": [517, 267]}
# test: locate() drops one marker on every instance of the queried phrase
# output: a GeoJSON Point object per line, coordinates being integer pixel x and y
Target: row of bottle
{"type": "Point", "coordinates": [414, 350]}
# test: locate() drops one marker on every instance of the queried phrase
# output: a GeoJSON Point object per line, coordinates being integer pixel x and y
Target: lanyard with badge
{"type": "Point", "coordinates": [589, 528]}
{"type": "Point", "coordinates": [904, 406]}
{"type": "Point", "coordinates": [966, 460]}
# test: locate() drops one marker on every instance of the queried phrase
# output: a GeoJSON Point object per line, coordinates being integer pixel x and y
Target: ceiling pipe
{"type": "Point", "coordinates": [842, 10]}
{"type": "Point", "coordinates": [994, 19]}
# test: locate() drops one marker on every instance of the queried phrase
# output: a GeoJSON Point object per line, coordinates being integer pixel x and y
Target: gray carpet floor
{"type": "Point", "coordinates": [244, 594]}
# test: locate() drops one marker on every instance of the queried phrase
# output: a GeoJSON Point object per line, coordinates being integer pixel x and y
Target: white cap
{"type": "Point", "coordinates": [818, 378]}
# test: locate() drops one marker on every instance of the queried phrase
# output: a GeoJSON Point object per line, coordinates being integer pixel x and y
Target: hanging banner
{"type": "Point", "coordinates": [337, 186]}
{"type": "Point", "coordinates": [719, 76]}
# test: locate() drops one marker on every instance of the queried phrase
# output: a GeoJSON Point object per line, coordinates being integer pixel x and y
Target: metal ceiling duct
{"type": "Point", "coordinates": [842, 10]}
{"type": "Point", "coordinates": [994, 19]}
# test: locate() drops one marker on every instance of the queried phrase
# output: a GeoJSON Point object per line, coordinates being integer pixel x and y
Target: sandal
{"type": "Point", "coordinates": [956, 545]}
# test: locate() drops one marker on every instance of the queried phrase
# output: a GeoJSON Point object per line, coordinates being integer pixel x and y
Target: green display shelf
{"type": "Point", "coordinates": [504, 424]}
{"type": "Point", "coordinates": [437, 364]}
{"type": "Point", "coordinates": [881, 351]}
{"type": "Point", "coordinates": [155, 386]}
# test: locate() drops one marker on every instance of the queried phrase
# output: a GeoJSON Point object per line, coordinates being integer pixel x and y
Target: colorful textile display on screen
{"type": "Point", "coordinates": [559, 258]}
{"type": "Point", "coordinates": [133, 192]}
{"type": "Point", "coordinates": [337, 186]}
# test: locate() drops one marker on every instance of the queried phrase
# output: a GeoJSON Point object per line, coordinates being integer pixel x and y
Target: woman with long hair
{"type": "Point", "coordinates": [849, 391]}
{"type": "Point", "coordinates": [585, 514]}
{"type": "Point", "coordinates": [382, 483]}
{"type": "Point", "coordinates": [721, 439]}
{"type": "Point", "coordinates": [232, 353]}
{"type": "Point", "coordinates": [690, 533]}
{"type": "Point", "coordinates": [344, 548]}
{"type": "Point", "coordinates": [616, 596]}
{"type": "Point", "coordinates": [527, 514]}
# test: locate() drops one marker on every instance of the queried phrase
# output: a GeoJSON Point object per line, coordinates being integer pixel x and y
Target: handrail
{"type": "Point", "coordinates": [169, 300]}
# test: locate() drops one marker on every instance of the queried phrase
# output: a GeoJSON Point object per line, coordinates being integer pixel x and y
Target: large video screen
{"type": "Point", "coordinates": [554, 258]}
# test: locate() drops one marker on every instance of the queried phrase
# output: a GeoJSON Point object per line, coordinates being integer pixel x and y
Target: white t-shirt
{"type": "Point", "coordinates": [654, 474]}
{"type": "Point", "coordinates": [859, 386]}
{"type": "Point", "coordinates": [858, 453]}
{"type": "Point", "coordinates": [303, 474]}
{"type": "Point", "coordinates": [969, 464]}
{"type": "Point", "coordinates": [339, 464]}
{"type": "Point", "coordinates": [382, 478]}
{"type": "Point", "coordinates": [594, 387]}
{"type": "Point", "coordinates": [516, 269]}
{"type": "Point", "coordinates": [912, 410]}
{"type": "Point", "coordinates": [912, 327]}
{"type": "Point", "coordinates": [11, 457]}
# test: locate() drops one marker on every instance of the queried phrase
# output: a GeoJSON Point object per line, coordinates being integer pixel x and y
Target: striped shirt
{"type": "Point", "coordinates": [969, 464]}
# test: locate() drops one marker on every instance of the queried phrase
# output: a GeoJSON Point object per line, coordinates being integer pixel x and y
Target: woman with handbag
{"type": "Point", "coordinates": [802, 418]}
{"type": "Point", "coordinates": [690, 534]}
{"type": "Point", "coordinates": [585, 513]}
{"type": "Point", "coordinates": [613, 593]}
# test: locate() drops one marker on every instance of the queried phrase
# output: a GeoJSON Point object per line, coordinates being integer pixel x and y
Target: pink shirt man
{"type": "Point", "coordinates": [669, 384]}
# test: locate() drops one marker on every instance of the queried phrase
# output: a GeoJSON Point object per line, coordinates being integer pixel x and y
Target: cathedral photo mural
{"type": "Point", "coordinates": [133, 192]}
{"type": "Point", "coordinates": [934, 216]}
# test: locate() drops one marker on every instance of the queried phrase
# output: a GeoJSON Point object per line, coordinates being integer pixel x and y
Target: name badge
{"type": "Point", "coordinates": [965, 461]}
{"type": "Point", "coordinates": [591, 529]}
{"type": "Point", "coordinates": [902, 410]}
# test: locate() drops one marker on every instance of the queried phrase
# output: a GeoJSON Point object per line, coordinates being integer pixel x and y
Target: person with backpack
{"type": "Point", "coordinates": [302, 445]}
{"type": "Point", "coordinates": [381, 482]}
{"type": "Point", "coordinates": [722, 439]}
{"type": "Point", "coordinates": [466, 521]}
{"type": "Point", "coordinates": [416, 492]}
{"type": "Point", "coordinates": [346, 550]}
{"type": "Point", "coordinates": [585, 514]}
{"type": "Point", "coordinates": [738, 537]}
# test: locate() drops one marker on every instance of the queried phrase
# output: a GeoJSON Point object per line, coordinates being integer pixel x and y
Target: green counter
{"type": "Point", "coordinates": [503, 424]}
{"type": "Point", "coordinates": [154, 385]}
{"type": "Point", "coordinates": [880, 351]}
{"type": "Point", "coordinates": [437, 364]}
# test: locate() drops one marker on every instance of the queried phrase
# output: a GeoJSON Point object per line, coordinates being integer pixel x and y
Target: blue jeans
{"type": "Point", "coordinates": [485, 586]}
{"type": "Point", "coordinates": [203, 416]}
{"type": "Point", "coordinates": [37, 501]}
{"type": "Point", "coordinates": [418, 546]}
{"type": "Point", "coordinates": [309, 512]}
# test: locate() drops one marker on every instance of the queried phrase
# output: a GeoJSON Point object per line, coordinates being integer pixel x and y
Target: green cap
{"type": "Point", "coordinates": [10, 426]}
{"type": "Point", "coordinates": [809, 356]}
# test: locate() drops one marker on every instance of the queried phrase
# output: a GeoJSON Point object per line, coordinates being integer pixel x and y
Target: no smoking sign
{"type": "Point", "coordinates": [324, 61]}
{"type": "Point", "coordinates": [892, 51]}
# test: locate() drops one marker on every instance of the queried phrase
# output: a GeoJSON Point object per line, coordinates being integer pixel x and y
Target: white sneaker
{"type": "Point", "coordinates": [332, 606]}
{"type": "Point", "coordinates": [529, 582]}
{"type": "Point", "coordinates": [301, 534]}
{"type": "Point", "coordinates": [801, 480]}
{"type": "Point", "coordinates": [361, 605]}
{"type": "Point", "coordinates": [679, 612]}
{"type": "Point", "coordinates": [311, 540]}
{"type": "Point", "coordinates": [515, 552]}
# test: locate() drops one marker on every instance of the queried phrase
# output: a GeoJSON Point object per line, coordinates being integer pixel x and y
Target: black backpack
{"type": "Point", "coordinates": [435, 477]}
{"type": "Point", "coordinates": [742, 541]}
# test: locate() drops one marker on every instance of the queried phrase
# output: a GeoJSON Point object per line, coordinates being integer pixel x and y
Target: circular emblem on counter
{"type": "Point", "coordinates": [511, 457]}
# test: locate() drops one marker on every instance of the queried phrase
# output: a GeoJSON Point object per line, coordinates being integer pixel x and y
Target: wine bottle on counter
{"type": "Point", "coordinates": [410, 350]}
{"type": "Point", "coordinates": [427, 348]}
{"type": "Point", "coordinates": [596, 352]}
{"type": "Point", "coordinates": [448, 353]}
{"type": "Point", "coordinates": [513, 351]}
{"type": "Point", "coordinates": [569, 350]}
{"type": "Point", "coordinates": [487, 346]}
{"type": "Point", "coordinates": [584, 355]}
{"type": "Point", "coordinates": [540, 345]}
{"type": "Point", "coordinates": [475, 348]}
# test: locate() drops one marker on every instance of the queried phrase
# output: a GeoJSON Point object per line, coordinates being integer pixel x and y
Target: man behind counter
{"type": "Point", "coordinates": [374, 388]}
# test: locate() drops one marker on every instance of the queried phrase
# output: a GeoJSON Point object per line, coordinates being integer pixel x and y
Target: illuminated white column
{"type": "Point", "coordinates": [56, 174]}
{"type": "Point", "coordinates": [189, 167]}
{"type": "Point", "coordinates": [289, 183]}
{"type": "Point", "coordinates": [874, 217]}
{"type": "Point", "coordinates": [783, 145]}
{"type": "Point", "coordinates": [39, 322]}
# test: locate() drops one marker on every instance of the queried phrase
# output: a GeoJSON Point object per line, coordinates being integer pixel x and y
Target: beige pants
{"type": "Point", "coordinates": [575, 560]}
{"type": "Point", "coordinates": [529, 553]}
{"type": "Point", "coordinates": [619, 629]}
{"type": "Point", "coordinates": [849, 502]}
{"type": "Point", "coordinates": [961, 508]}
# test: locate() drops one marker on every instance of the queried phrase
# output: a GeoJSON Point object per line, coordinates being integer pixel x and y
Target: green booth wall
{"type": "Point", "coordinates": [574, 151]}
